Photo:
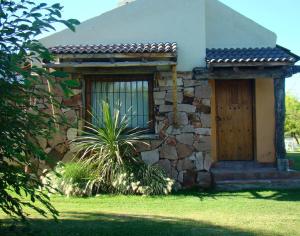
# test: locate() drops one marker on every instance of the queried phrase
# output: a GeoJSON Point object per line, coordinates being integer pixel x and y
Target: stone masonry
{"type": "Point", "coordinates": [182, 149]}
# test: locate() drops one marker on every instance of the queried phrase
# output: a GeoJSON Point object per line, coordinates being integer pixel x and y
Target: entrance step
{"type": "Point", "coordinates": [235, 185]}
{"type": "Point", "coordinates": [255, 173]}
{"type": "Point", "coordinates": [251, 175]}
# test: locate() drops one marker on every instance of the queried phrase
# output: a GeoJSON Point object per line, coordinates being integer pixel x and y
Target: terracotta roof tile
{"type": "Point", "coordinates": [115, 48]}
{"type": "Point", "coordinates": [244, 55]}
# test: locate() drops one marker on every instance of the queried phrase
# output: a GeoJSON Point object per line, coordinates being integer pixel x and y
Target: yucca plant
{"type": "Point", "coordinates": [109, 145]}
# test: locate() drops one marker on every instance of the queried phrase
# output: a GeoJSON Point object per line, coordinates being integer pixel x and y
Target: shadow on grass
{"type": "Point", "coordinates": [112, 224]}
{"type": "Point", "coordinates": [277, 195]}
{"type": "Point", "coordinates": [282, 195]}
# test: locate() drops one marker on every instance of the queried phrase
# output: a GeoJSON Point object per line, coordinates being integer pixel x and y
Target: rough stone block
{"type": "Point", "coordinates": [205, 120]}
{"type": "Point", "coordinates": [184, 150]}
{"type": "Point", "coordinates": [207, 162]}
{"type": "Point", "coordinates": [73, 101]}
{"type": "Point", "coordinates": [204, 179]}
{"type": "Point", "coordinates": [204, 144]}
{"type": "Point", "coordinates": [203, 92]}
{"type": "Point", "coordinates": [193, 83]}
{"type": "Point", "coordinates": [168, 152]}
{"type": "Point", "coordinates": [72, 134]}
{"type": "Point", "coordinates": [156, 143]}
{"type": "Point", "coordinates": [165, 108]}
{"type": "Point", "coordinates": [185, 164]}
{"type": "Point", "coordinates": [169, 82]}
{"type": "Point", "coordinates": [189, 92]}
{"type": "Point", "coordinates": [159, 95]}
{"type": "Point", "coordinates": [56, 139]}
{"type": "Point", "coordinates": [185, 138]}
{"type": "Point", "coordinates": [199, 160]}
{"type": "Point", "coordinates": [182, 118]}
{"type": "Point", "coordinates": [187, 129]}
{"type": "Point", "coordinates": [165, 165]}
{"type": "Point", "coordinates": [150, 157]}
{"type": "Point", "coordinates": [159, 101]}
{"type": "Point", "coordinates": [203, 131]}
{"type": "Point", "coordinates": [189, 178]}
{"type": "Point", "coordinates": [186, 108]}
{"type": "Point", "coordinates": [169, 97]}
{"type": "Point", "coordinates": [68, 157]}
{"type": "Point", "coordinates": [71, 116]}
{"type": "Point", "coordinates": [206, 102]}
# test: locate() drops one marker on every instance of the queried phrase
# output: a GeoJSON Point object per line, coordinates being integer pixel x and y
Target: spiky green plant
{"type": "Point", "coordinates": [109, 145]}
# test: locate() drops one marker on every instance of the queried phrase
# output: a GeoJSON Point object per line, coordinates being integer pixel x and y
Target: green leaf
{"type": "Point", "coordinates": [72, 83]}
{"type": "Point", "coordinates": [59, 74]}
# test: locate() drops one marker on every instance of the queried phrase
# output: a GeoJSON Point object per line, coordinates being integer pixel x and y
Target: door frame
{"type": "Point", "coordinates": [214, 126]}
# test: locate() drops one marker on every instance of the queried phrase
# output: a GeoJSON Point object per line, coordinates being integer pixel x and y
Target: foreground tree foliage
{"type": "Point", "coordinates": [21, 121]}
{"type": "Point", "coordinates": [292, 124]}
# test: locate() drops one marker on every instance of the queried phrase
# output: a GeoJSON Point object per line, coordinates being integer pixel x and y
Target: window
{"type": "Point", "coordinates": [134, 97]}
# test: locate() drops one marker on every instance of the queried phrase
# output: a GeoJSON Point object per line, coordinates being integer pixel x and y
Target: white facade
{"type": "Point", "coordinates": [194, 25]}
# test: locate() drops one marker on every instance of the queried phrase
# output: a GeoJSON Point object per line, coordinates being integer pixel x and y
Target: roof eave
{"type": "Point", "coordinates": [248, 64]}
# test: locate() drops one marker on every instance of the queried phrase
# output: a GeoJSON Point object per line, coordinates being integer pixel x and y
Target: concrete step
{"type": "Point", "coordinates": [237, 165]}
{"type": "Point", "coordinates": [252, 174]}
{"type": "Point", "coordinates": [235, 185]}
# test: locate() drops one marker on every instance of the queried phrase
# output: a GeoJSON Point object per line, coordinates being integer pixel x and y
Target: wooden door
{"type": "Point", "coordinates": [234, 100]}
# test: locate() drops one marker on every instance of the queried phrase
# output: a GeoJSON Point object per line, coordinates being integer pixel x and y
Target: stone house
{"type": "Point", "coordinates": [207, 81]}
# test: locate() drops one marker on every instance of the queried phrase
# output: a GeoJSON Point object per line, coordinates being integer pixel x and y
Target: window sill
{"type": "Point", "coordinates": [150, 136]}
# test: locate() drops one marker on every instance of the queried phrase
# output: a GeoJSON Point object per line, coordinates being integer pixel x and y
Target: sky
{"type": "Point", "coordinates": [281, 17]}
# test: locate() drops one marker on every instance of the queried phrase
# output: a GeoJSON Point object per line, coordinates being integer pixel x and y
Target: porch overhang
{"type": "Point", "coordinates": [109, 57]}
{"type": "Point", "coordinates": [248, 63]}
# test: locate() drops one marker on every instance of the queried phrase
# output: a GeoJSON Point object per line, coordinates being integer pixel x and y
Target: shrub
{"type": "Point", "coordinates": [142, 180]}
{"type": "Point", "coordinates": [110, 147]}
{"type": "Point", "coordinates": [73, 179]}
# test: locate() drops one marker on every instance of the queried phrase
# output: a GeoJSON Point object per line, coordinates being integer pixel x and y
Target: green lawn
{"type": "Point", "coordinates": [239, 213]}
{"type": "Point", "coordinates": [296, 159]}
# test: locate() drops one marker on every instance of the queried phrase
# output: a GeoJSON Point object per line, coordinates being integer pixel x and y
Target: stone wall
{"type": "Point", "coordinates": [182, 149]}
{"type": "Point", "coordinates": [68, 112]}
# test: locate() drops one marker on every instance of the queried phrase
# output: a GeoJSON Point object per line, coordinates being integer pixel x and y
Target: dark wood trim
{"type": "Point", "coordinates": [254, 120]}
{"type": "Point", "coordinates": [241, 73]}
{"type": "Point", "coordinates": [88, 100]}
{"type": "Point", "coordinates": [279, 92]}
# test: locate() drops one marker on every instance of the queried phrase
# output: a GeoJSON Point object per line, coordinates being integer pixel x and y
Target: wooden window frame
{"type": "Point", "coordinates": [89, 79]}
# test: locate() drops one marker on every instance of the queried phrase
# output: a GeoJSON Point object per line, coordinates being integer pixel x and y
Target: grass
{"type": "Point", "coordinates": [295, 157]}
{"type": "Point", "coordinates": [229, 213]}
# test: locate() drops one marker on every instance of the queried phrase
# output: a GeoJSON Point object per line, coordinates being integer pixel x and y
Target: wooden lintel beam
{"type": "Point", "coordinates": [109, 64]}
{"type": "Point", "coordinates": [242, 73]}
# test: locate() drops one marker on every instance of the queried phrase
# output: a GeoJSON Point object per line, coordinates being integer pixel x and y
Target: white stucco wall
{"type": "Point", "coordinates": [145, 21]}
{"type": "Point", "coordinates": [226, 28]}
{"type": "Point", "coordinates": [193, 24]}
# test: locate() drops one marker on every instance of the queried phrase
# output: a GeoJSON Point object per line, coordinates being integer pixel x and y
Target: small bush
{"type": "Point", "coordinates": [73, 179]}
{"type": "Point", "coordinates": [142, 180]}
